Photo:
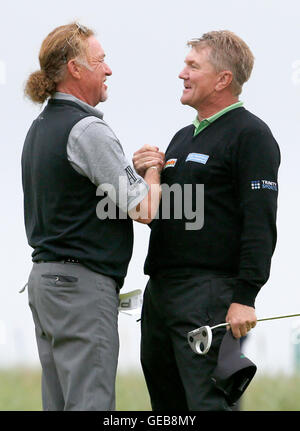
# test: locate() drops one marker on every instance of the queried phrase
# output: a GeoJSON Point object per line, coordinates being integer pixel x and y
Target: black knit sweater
{"type": "Point", "coordinates": [237, 160]}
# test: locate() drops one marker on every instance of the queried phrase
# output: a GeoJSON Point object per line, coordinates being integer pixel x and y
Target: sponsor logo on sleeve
{"type": "Point", "coordinates": [131, 175]}
{"type": "Point", "coordinates": [264, 184]}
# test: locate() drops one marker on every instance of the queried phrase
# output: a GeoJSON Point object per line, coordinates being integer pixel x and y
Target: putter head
{"type": "Point", "coordinates": [200, 339]}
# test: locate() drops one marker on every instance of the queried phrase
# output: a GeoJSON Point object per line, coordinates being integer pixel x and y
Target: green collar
{"type": "Point", "coordinates": [201, 125]}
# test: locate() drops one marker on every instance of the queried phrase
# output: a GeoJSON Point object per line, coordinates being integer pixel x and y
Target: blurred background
{"type": "Point", "coordinates": [145, 44]}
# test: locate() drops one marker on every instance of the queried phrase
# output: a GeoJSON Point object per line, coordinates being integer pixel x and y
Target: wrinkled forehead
{"type": "Point", "coordinates": [94, 48]}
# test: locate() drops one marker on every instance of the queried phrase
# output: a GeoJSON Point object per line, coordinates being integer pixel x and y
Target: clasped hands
{"type": "Point", "coordinates": [148, 157]}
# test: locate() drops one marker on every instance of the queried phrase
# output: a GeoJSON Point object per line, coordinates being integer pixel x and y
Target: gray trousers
{"type": "Point", "coordinates": [75, 312]}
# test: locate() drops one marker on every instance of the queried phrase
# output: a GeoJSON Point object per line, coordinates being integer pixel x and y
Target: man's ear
{"type": "Point", "coordinates": [224, 80]}
{"type": "Point", "coordinates": [74, 68]}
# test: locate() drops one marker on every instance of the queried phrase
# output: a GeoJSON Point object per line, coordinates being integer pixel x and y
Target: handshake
{"type": "Point", "coordinates": [148, 157]}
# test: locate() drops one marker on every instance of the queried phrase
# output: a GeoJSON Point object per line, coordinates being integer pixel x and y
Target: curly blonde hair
{"type": "Point", "coordinates": [228, 52]}
{"type": "Point", "coordinates": [61, 45]}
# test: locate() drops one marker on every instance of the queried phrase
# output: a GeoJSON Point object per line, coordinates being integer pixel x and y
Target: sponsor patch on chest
{"type": "Point", "coordinates": [170, 163]}
{"type": "Point", "coordinates": [197, 157]}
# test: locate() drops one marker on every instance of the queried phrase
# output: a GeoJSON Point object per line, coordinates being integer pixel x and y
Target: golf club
{"type": "Point", "coordinates": [200, 339]}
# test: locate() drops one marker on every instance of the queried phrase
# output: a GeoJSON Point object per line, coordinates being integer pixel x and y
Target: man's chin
{"type": "Point", "coordinates": [104, 97]}
{"type": "Point", "coordinates": [184, 100]}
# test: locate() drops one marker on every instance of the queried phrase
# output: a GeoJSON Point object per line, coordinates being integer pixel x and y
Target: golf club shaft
{"type": "Point", "coordinates": [259, 320]}
{"type": "Point", "coordinates": [278, 317]}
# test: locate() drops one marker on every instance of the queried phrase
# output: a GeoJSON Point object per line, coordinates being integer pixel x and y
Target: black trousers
{"type": "Point", "coordinates": [177, 378]}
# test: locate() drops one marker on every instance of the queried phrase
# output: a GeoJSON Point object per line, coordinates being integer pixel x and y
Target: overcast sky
{"type": "Point", "coordinates": [145, 45]}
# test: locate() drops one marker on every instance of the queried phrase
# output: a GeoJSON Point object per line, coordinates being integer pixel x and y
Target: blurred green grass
{"type": "Point", "coordinates": [20, 390]}
{"type": "Point", "coordinates": [273, 393]}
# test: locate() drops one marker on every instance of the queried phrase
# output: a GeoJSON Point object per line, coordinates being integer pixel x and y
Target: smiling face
{"type": "Point", "coordinates": [94, 76]}
{"type": "Point", "coordinates": [200, 78]}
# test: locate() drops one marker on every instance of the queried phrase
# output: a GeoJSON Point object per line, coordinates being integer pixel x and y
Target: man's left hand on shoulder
{"type": "Point", "coordinates": [242, 319]}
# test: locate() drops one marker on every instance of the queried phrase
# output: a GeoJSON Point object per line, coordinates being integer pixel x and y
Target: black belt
{"type": "Point", "coordinates": [66, 260]}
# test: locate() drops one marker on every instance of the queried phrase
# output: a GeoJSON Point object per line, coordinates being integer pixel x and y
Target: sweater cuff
{"type": "Point", "coordinates": [245, 293]}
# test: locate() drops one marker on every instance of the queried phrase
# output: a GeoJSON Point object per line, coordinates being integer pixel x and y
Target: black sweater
{"type": "Point", "coordinates": [237, 160]}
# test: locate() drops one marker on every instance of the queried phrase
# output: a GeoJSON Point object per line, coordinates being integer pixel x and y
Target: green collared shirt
{"type": "Point", "coordinates": [201, 125]}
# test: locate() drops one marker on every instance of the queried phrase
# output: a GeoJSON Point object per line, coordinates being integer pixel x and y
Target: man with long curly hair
{"type": "Point", "coordinates": [72, 166]}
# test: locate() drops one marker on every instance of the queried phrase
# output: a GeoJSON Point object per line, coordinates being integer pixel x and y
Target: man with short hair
{"type": "Point", "coordinates": [72, 167]}
{"type": "Point", "coordinates": [213, 274]}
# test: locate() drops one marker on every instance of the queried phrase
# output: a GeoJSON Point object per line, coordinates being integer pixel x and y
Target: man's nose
{"type": "Point", "coordinates": [183, 74]}
{"type": "Point", "coordinates": [108, 70]}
